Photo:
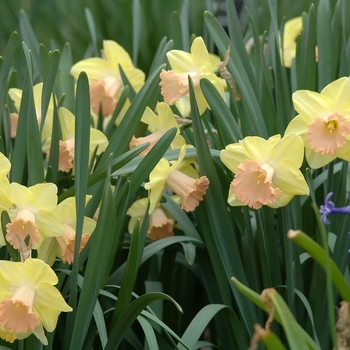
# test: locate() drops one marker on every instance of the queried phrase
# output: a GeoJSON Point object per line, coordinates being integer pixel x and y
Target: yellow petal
{"type": "Point", "coordinates": [45, 195]}
{"type": "Point", "coordinates": [20, 195]}
{"type": "Point", "coordinates": [95, 67]}
{"type": "Point", "coordinates": [181, 61]}
{"type": "Point", "coordinates": [199, 52]}
{"type": "Point", "coordinates": [290, 179]}
{"type": "Point", "coordinates": [310, 105]}
{"type": "Point", "coordinates": [257, 149]}
{"type": "Point", "coordinates": [232, 156]}
{"type": "Point", "coordinates": [317, 160]}
{"type": "Point", "coordinates": [290, 147]}
{"type": "Point", "coordinates": [338, 91]}
{"type": "Point", "coordinates": [296, 126]}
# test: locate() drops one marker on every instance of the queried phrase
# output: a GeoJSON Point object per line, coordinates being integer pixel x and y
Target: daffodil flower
{"type": "Point", "coordinates": [197, 65]}
{"type": "Point", "coordinates": [106, 83]}
{"type": "Point", "coordinates": [16, 96]}
{"type": "Point", "coordinates": [292, 29]}
{"type": "Point", "coordinates": [29, 301]}
{"type": "Point", "coordinates": [266, 171]}
{"type": "Point", "coordinates": [64, 246]}
{"type": "Point", "coordinates": [161, 223]}
{"type": "Point", "coordinates": [31, 212]}
{"type": "Point", "coordinates": [66, 145]}
{"type": "Point", "coordinates": [181, 178]}
{"type": "Point", "coordinates": [323, 122]}
{"type": "Point", "coordinates": [158, 125]}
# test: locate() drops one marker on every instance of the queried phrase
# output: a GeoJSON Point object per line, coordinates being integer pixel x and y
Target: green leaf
{"type": "Point", "coordinates": [130, 314]}
{"type": "Point", "coordinates": [318, 253]}
{"type": "Point", "coordinates": [96, 268]}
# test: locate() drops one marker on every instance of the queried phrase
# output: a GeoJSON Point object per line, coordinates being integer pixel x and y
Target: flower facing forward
{"type": "Point", "coordinates": [104, 75]}
{"type": "Point", "coordinates": [31, 212]}
{"type": "Point", "coordinates": [197, 65]}
{"type": "Point", "coordinates": [28, 300]}
{"type": "Point", "coordinates": [266, 171]}
{"type": "Point", "coordinates": [158, 125]}
{"type": "Point", "coordinates": [64, 246]}
{"type": "Point", "coordinates": [181, 178]}
{"type": "Point", "coordinates": [323, 122]}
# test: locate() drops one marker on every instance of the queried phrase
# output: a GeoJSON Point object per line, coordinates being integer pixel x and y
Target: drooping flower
{"type": "Point", "coordinates": [31, 212]}
{"type": "Point", "coordinates": [158, 125]}
{"type": "Point", "coordinates": [181, 178]}
{"type": "Point", "coordinates": [329, 208]}
{"type": "Point", "coordinates": [197, 65]}
{"type": "Point", "coordinates": [67, 144]}
{"type": "Point", "coordinates": [323, 122]}
{"type": "Point", "coordinates": [105, 79]}
{"type": "Point", "coordinates": [29, 302]}
{"type": "Point", "coordinates": [63, 246]}
{"type": "Point", "coordinates": [16, 96]}
{"type": "Point", "coordinates": [161, 223]}
{"type": "Point", "coordinates": [266, 171]}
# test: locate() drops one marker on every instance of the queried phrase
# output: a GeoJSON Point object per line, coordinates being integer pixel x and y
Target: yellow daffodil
{"type": "Point", "coordinates": [161, 223]}
{"type": "Point", "coordinates": [184, 183]}
{"type": "Point", "coordinates": [66, 145]}
{"type": "Point", "coordinates": [63, 246]}
{"type": "Point", "coordinates": [16, 96]}
{"type": "Point", "coordinates": [31, 212]}
{"type": "Point", "coordinates": [158, 125]}
{"type": "Point", "coordinates": [266, 171]}
{"type": "Point", "coordinates": [197, 65]}
{"type": "Point", "coordinates": [29, 301]}
{"type": "Point", "coordinates": [292, 29]}
{"type": "Point", "coordinates": [323, 122]}
{"type": "Point", "coordinates": [106, 83]}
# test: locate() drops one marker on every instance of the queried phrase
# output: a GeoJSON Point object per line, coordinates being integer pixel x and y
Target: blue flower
{"type": "Point", "coordinates": [329, 208]}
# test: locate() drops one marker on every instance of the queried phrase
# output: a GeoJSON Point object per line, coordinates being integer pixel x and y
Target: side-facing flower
{"type": "Point", "coordinates": [31, 212]}
{"type": "Point", "coordinates": [67, 144]}
{"type": "Point", "coordinates": [106, 83]}
{"type": "Point", "coordinates": [158, 125]}
{"type": "Point", "coordinates": [292, 29]}
{"type": "Point", "coordinates": [181, 178]}
{"type": "Point", "coordinates": [16, 96]}
{"type": "Point", "coordinates": [329, 208]}
{"type": "Point", "coordinates": [323, 122]}
{"type": "Point", "coordinates": [161, 223]}
{"type": "Point", "coordinates": [63, 246]}
{"type": "Point", "coordinates": [28, 300]}
{"type": "Point", "coordinates": [266, 171]}
{"type": "Point", "coordinates": [197, 65]}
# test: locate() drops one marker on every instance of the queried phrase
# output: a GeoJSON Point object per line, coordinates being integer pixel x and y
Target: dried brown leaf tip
{"type": "Point", "coordinates": [225, 74]}
{"type": "Point", "coordinates": [343, 326]}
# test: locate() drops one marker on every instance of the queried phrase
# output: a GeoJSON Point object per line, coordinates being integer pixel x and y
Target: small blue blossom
{"type": "Point", "coordinates": [329, 208]}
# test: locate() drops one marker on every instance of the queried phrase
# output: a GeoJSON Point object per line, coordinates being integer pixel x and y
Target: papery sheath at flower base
{"type": "Point", "coordinates": [106, 84]}
{"type": "Point", "coordinates": [31, 212]}
{"type": "Point", "coordinates": [181, 178]}
{"type": "Point", "coordinates": [197, 65]}
{"type": "Point", "coordinates": [266, 171]}
{"type": "Point", "coordinates": [63, 246]}
{"type": "Point", "coordinates": [29, 302]}
{"type": "Point", "coordinates": [323, 122]}
{"type": "Point", "coordinates": [158, 125]}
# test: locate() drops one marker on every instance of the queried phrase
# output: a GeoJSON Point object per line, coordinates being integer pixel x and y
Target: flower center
{"type": "Point", "coordinates": [16, 313]}
{"type": "Point", "coordinates": [327, 135]}
{"type": "Point", "coordinates": [253, 184]}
